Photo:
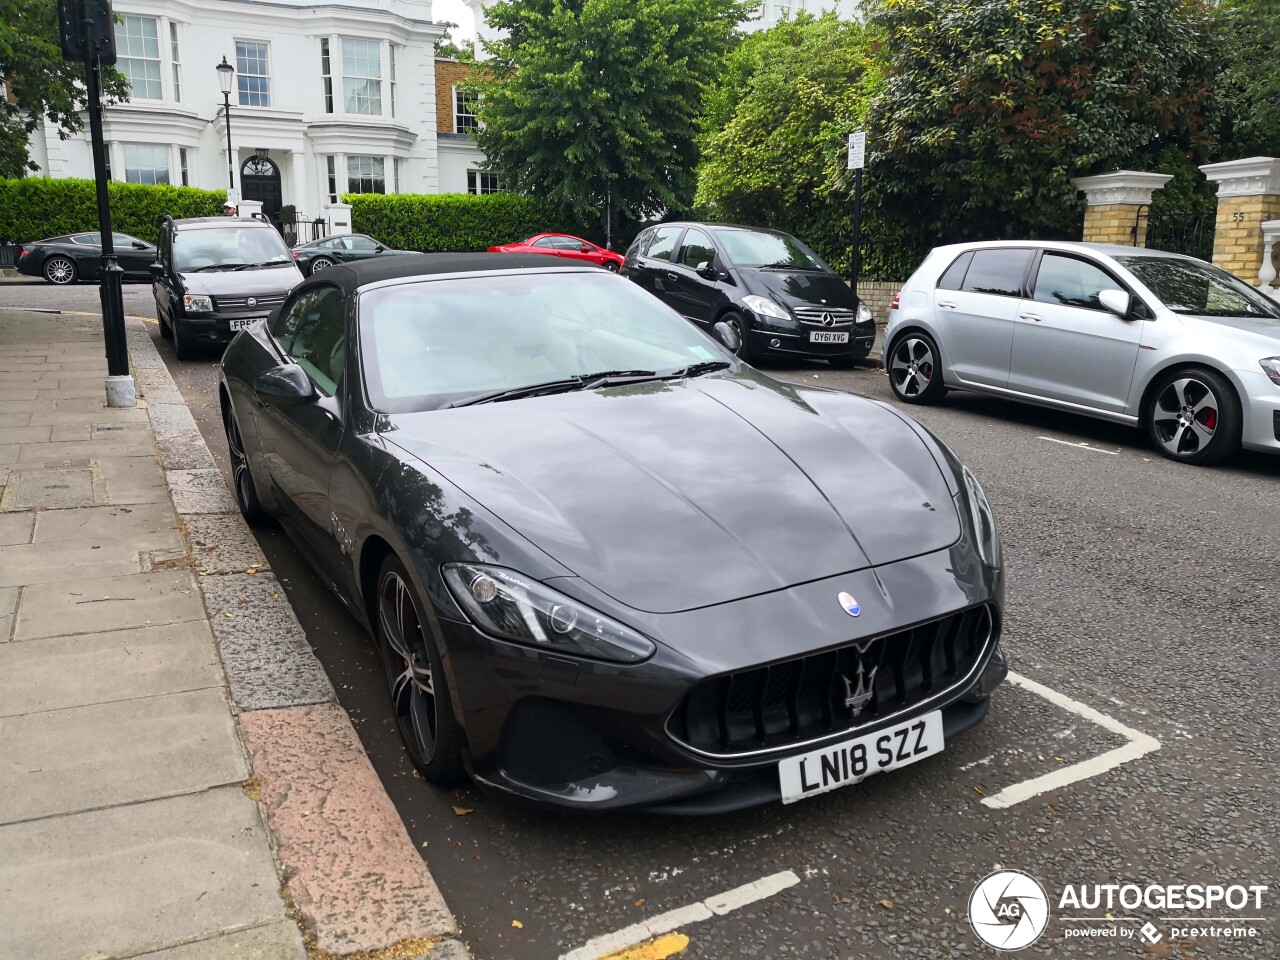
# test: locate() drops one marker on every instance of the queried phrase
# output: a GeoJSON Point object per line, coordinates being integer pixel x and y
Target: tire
{"type": "Point", "coordinates": [166, 332]}
{"type": "Point", "coordinates": [60, 270]}
{"type": "Point", "coordinates": [1194, 416]}
{"type": "Point", "coordinates": [915, 369]}
{"type": "Point", "coordinates": [183, 348]}
{"type": "Point", "coordinates": [319, 263]}
{"type": "Point", "coordinates": [243, 487]}
{"type": "Point", "coordinates": [610, 266]}
{"type": "Point", "coordinates": [415, 678]}
{"type": "Point", "coordinates": [739, 325]}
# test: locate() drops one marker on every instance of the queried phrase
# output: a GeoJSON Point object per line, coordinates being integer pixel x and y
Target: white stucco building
{"type": "Point", "coordinates": [329, 97]}
{"type": "Point", "coordinates": [771, 11]}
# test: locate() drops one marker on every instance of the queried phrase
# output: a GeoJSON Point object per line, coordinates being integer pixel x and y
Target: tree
{"type": "Point", "coordinates": [39, 83]}
{"type": "Point", "coordinates": [595, 102]}
{"type": "Point", "coordinates": [463, 51]}
{"type": "Point", "coordinates": [991, 107]}
{"type": "Point", "coordinates": [1251, 82]}
{"type": "Point", "coordinates": [776, 126]}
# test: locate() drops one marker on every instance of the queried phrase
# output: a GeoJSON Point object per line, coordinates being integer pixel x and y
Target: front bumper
{"type": "Point", "coordinates": [213, 328]}
{"type": "Point", "coordinates": [1260, 398]}
{"type": "Point", "coordinates": [576, 734]}
{"type": "Point", "coordinates": [779, 343]}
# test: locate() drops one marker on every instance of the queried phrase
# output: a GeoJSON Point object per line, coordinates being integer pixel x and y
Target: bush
{"type": "Point", "coordinates": [452, 222]}
{"type": "Point", "coordinates": [32, 208]}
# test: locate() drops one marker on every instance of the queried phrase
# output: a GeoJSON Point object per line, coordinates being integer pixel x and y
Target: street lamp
{"type": "Point", "coordinates": [225, 72]}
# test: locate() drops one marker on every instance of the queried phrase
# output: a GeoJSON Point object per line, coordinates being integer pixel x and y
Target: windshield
{"type": "Point", "coordinates": [434, 342]}
{"type": "Point", "coordinates": [747, 248]}
{"type": "Point", "coordinates": [1191, 287]}
{"type": "Point", "coordinates": [228, 247]}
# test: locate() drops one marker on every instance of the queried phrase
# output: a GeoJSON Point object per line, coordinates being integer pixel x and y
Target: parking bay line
{"type": "Point", "coordinates": [1139, 745]}
{"type": "Point", "coordinates": [1081, 446]}
{"type": "Point", "coordinates": [716, 906]}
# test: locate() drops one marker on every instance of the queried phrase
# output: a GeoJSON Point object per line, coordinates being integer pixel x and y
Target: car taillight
{"type": "Point", "coordinates": [893, 304]}
{"type": "Point", "coordinates": [22, 252]}
{"type": "Point", "coordinates": [295, 255]}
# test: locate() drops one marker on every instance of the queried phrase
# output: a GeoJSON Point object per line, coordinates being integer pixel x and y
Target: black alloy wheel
{"type": "Point", "coordinates": [415, 678]}
{"type": "Point", "coordinates": [243, 487]}
{"type": "Point", "coordinates": [737, 325]}
{"type": "Point", "coordinates": [1194, 416]}
{"type": "Point", "coordinates": [915, 372]}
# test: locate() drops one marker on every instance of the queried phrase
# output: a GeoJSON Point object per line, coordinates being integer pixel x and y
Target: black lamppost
{"type": "Point", "coordinates": [225, 72]}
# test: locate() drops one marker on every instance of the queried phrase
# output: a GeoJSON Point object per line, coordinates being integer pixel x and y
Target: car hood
{"type": "Point", "coordinates": [243, 282]}
{"type": "Point", "coordinates": [800, 288]}
{"type": "Point", "coordinates": [676, 495]}
{"type": "Point", "coordinates": [1261, 327]}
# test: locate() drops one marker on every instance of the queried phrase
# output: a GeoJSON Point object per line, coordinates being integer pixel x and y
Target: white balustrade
{"type": "Point", "coordinates": [1267, 272]}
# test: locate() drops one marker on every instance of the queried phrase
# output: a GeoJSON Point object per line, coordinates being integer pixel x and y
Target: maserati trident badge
{"type": "Point", "coordinates": [858, 694]}
{"type": "Point", "coordinates": [850, 605]}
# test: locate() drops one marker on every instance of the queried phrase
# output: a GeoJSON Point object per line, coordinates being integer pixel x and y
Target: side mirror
{"type": "Point", "coordinates": [156, 268]}
{"type": "Point", "coordinates": [584, 249]}
{"type": "Point", "coordinates": [378, 248]}
{"type": "Point", "coordinates": [139, 245]}
{"type": "Point", "coordinates": [705, 270]}
{"type": "Point", "coordinates": [1117, 301]}
{"type": "Point", "coordinates": [284, 386]}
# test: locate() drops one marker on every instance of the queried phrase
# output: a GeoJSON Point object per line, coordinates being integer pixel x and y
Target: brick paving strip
{"type": "Point", "coordinates": [176, 777]}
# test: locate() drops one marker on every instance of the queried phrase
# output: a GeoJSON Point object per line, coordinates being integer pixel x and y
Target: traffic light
{"type": "Point", "coordinates": [71, 29]}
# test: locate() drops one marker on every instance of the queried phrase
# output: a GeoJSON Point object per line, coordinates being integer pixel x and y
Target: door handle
{"type": "Point", "coordinates": [674, 278]}
{"type": "Point", "coordinates": [949, 304]}
{"type": "Point", "coordinates": [1030, 316]}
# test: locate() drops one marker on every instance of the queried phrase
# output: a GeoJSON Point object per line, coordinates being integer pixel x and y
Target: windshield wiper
{"type": "Point", "coordinates": [698, 369]}
{"type": "Point", "coordinates": [783, 265]}
{"type": "Point", "coordinates": [583, 381]}
{"type": "Point", "coordinates": [208, 266]}
{"type": "Point", "coordinates": [264, 263]}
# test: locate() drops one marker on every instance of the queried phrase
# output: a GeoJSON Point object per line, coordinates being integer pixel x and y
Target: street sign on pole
{"type": "Point", "coordinates": [857, 150]}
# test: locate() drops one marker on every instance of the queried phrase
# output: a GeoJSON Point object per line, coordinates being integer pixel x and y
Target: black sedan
{"type": "Point", "coordinates": [78, 256]}
{"type": "Point", "coordinates": [606, 563]}
{"type": "Point", "coordinates": [763, 293]}
{"type": "Point", "coordinates": [315, 256]}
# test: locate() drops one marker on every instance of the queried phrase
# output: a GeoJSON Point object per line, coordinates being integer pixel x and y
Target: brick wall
{"type": "Point", "coordinates": [1113, 223]}
{"type": "Point", "coordinates": [1237, 241]}
{"type": "Point", "coordinates": [449, 73]}
{"type": "Point", "coordinates": [877, 296]}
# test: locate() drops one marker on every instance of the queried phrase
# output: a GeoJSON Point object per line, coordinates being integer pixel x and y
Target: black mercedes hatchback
{"type": "Point", "coordinates": [762, 293]}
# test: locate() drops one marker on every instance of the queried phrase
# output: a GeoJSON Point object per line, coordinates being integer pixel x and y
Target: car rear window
{"type": "Point", "coordinates": [998, 272]}
{"type": "Point", "coordinates": [954, 275]}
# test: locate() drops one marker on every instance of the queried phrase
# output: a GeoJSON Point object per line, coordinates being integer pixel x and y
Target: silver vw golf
{"type": "Point", "coordinates": [1156, 340]}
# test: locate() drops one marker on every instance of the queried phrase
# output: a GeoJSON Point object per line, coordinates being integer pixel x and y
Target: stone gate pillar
{"type": "Point", "coordinates": [1248, 196]}
{"type": "Point", "coordinates": [1113, 203]}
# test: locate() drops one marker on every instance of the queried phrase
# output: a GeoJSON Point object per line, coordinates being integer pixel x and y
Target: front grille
{"type": "Point", "coordinates": [843, 689]}
{"type": "Point", "coordinates": [268, 301]}
{"type": "Point", "coordinates": [840, 317]}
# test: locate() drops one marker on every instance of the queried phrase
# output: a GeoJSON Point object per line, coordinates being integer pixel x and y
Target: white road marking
{"type": "Point", "coordinates": [1080, 446]}
{"type": "Point", "coordinates": [1139, 745]}
{"type": "Point", "coordinates": [715, 906]}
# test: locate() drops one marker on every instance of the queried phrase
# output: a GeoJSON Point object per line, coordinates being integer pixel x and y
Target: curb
{"type": "Point", "coordinates": [354, 880]}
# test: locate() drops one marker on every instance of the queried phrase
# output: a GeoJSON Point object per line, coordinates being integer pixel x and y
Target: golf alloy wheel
{"type": "Point", "coordinates": [913, 369]}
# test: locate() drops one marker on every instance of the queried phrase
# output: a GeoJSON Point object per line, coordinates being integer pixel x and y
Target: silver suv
{"type": "Point", "coordinates": [1151, 339]}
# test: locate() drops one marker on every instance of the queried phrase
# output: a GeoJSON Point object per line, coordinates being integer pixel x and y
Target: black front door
{"type": "Point", "coordinates": [260, 180]}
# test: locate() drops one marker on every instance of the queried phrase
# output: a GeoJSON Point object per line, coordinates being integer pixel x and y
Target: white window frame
{"type": "Point", "coordinates": [483, 182]}
{"type": "Point", "coordinates": [457, 114]}
{"type": "Point", "coordinates": [243, 74]}
{"type": "Point", "coordinates": [184, 166]}
{"type": "Point", "coordinates": [175, 59]}
{"type": "Point", "coordinates": [391, 70]}
{"type": "Point", "coordinates": [153, 168]}
{"type": "Point", "coordinates": [331, 168]}
{"type": "Point", "coordinates": [126, 57]}
{"type": "Point", "coordinates": [326, 73]}
{"type": "Point", "coordinates": [372, 83]}
{"type": "Point", "coordinates": [376, 173]}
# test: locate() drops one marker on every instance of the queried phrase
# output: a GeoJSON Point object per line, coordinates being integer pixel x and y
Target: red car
{"type": "Point", "coordinates": [565, 245]}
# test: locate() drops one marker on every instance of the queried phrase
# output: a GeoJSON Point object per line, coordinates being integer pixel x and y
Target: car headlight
{"type": "Point", "coordinates": [197, 303]}
{"type": "Point", "coordinates": [1272, 367]}
{"type": "Point", "coordinates": [863, 315]}
{"type": "Point", "coordinates": [764, 307]}
{"type": "Point", "coordinates": [516, 608]}
{"type": "Point", "coordinates": [984, 521]}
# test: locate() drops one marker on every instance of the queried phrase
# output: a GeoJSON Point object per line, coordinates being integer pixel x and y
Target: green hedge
{"type": "Point", "coordinates": [451, 222]}
{"type": "Point", "coordinates": [32, 208]}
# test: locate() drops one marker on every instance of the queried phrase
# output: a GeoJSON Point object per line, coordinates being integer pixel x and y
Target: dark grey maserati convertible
{"type": "Point", "coordinates": [606, 563]}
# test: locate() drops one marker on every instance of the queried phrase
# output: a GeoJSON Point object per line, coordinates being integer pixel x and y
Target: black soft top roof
{"type": "Point", "coordinates": [351, 276]}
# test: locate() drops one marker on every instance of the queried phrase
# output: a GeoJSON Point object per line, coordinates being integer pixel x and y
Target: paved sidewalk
{"type": "Point", "coordinates": [133, 821]}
